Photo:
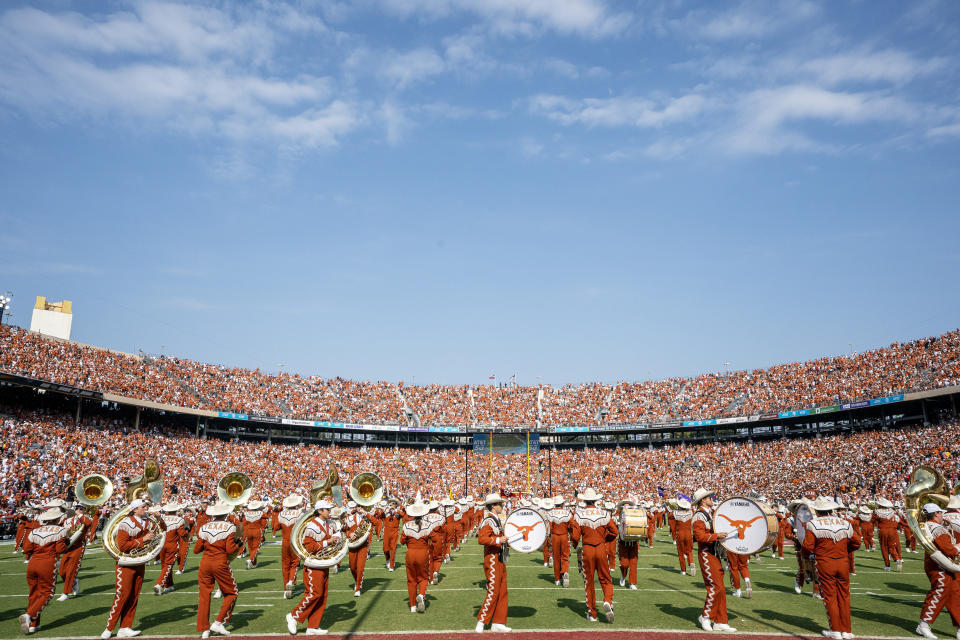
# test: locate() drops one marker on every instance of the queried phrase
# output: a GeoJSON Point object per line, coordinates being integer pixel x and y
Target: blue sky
{"type": "Point", "coordinates": [439, 190]}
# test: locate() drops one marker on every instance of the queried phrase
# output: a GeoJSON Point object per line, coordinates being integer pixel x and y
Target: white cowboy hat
{"type": "Point", "coordinates": [170, 507]}
{"type": "Point", "coordinates": [323, 503]}
{"type": "Point", "coordinates": [433, 504]}
{"type": "Point", "coordinates": [53, 513]}
{"type": "Point", "coordinates": [336, 512]}
{"type": "Point", "coordinates": [219, 509]}
{"type": "Point", "coordinates": [416, 510]}
{"type": "Point", "coordinates": [823, 503]}
{"type": "Point", "coordinates": [883, 502]}
{"type": "Point", "coordinates": [683, 503]}
{"type": "Point", "coordinates": [865, 510]}
{"type": "Point", "coordinates": [292, 501]}
{"type": "Point", "coordinates": [447, 502]}
{"type": "Point", "coordinates": [608, 505]}
{"type": "Point", "coordinates": [589, 495]}
{"type": "Point", "coordinates": [351, 504]}
{"type": "Point", "coordinates": [931, 508]}
{"type": "Point", "coordinates": [492, 498]}
{"type": "Point", "coordinates": [136, 504]}
{"type": "Point", "coordinates": [535, 501]}
{"type": "Point", "coordinates": [546, 503]}
{"type": "Point", "coordinates": [702, 493]}
{"type": "Point", "coordinates": [954, 502]}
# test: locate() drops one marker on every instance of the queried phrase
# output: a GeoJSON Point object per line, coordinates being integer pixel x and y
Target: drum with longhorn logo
{"type": "Point", "coordinates": [754, 522]}
{"type": "Point", "coordinates": [526, 530]}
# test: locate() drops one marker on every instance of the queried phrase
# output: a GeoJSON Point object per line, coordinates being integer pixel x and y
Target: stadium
{"type": "Point", "coordinates": [403, 319]}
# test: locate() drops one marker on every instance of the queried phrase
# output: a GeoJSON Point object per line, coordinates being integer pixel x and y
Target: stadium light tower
{"type": "Point", "coordinates": [5, 304]}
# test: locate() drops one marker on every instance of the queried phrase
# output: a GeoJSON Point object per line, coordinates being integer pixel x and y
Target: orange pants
{"type": "Point", "coordinates": [168, 558]}
{"type": "Point", "coordinates": [738, 568]}
{"type": "Point", "coordinates": [314, 602]}
{"type": "Point", "coordinates": [685, 548]}
{"type": "Point", "coordinates": [866, 534]}
{"type": "Point", "coordinates": [715, 606]}
{"type": "Point", "coordinates": [890, 546]}
{"type": "Point", "coordinates": [127, 584]}
{"type": "Point", "coordinates": [628, 560]}
{"type": "Point", "coordinates": [612, 554]}
{"type": "Point", "coordinates": [253, 545]}
{"type": "Point", "coordinates": [778, 545]}
{"type": "Point", "coordinates": [183, 545]}
{"type": "Point", "coordinates": [358, 560]}
{"type": "Point", "coordinates": [390, 547]}
{"type": "Point", "coordinates": [70, 563]}
{"type": "Point", "coordinates": [852, 567]}
{"type": "Point", "coordinates": [834, 579]}
{"type": "Point", "coordinates": [943, 592]}
{"type": "Point", "coordinates": [494, 607]}
{"type": "Point", "coordinates": [289, 561]}
{"type": "Point", "coordinates": [595, 560]}
{"type": "Point", "coordinates": [219, 573]}
{"type": "Point", "coordinates": [547, 549]}
{"type": "Point", "coordinates": [650, 531]}
{"type": "Point", "coordinates": [561, 555]}
{"type": "Point", "coordinates": [436, 554]}
{"type": "Point", "coordinates": [672, 523]}
{"type": "Point", "coordinates": [418, 572]}
{"type": "Point", "coordinates": [802, 560]}
{"type": "Point", "coordinates": [42, 581]}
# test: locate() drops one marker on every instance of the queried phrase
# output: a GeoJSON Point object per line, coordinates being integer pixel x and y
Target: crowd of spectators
{"type": "Point", "coordinates": [901, 367]}
{"type": "Point", "coordinates": [43, 454]}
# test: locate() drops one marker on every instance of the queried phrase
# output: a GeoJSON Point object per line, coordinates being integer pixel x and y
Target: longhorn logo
{"type": "Point", "coordinates": [740, 525]}
{"type": "Point", "coordinates": [525, 531]}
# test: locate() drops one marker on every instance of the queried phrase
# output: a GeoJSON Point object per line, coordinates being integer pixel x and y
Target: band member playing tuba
{"type": "Point", "coordinates": [714, 615]}
{"type": "Point", "coordinates": [943, 584]}
{"type": "Point", "coordinates": [218, 541]}
{"type": "Point", "coordinates": [133, 532]}
{"type": "Point", "coordinates": [72, 558]}
{"type": "Point", "coordinates": [318, 534]}
{"type": "Point", "coordinates": [43, 545]}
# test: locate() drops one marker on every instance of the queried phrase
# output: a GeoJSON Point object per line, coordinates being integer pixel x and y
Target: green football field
{"type": "Point", "coordinates": [883, 604]}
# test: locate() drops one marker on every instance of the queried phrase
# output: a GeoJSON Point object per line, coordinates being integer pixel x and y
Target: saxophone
{"type": "Point", "coordinates": [927, 485]}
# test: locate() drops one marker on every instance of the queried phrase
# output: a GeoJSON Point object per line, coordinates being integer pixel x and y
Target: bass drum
{"type": "Point", "coordinates": [633, 524]}
{"type": "Point", "coordinates": [526, 530]}
{"type": "Point", "coordinates": [754, 521]}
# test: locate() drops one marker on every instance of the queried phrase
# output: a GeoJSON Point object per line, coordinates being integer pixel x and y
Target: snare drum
{"type": "Point", "coordinates": [526, 530]}
{"type": "Point", "coordinates": [754, 521]}
{"type": "Point", "coordinates": [633, 523]}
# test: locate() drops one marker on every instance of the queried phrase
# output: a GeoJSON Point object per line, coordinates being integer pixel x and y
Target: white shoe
{"type": "Point", "coordinates": [835, 635]}
{"type": "Point", "coordinates": [205, 634]}
{"type": "Point", "coordinates": [886, 568]}
{"type": "Point", "coordinates": [127, 632]}
{"type": "Point", "coordinates": [608, 611]}
{"type": "Point", "coordinates": [421, 604]}
{"type": "Point", "coordinates": [683, 572]}
{"type": "Point", "coordinates": [178, 572]}
{"type": "Point", "coordinates": [356, 594]}
{"type": "Point", "coordinates": [550, 562]}
{"type": "Point", "coordinates": [249, 564]}
{"type": "Point", "coordinates": [692, 570]}
{"type": "Point", "coordinates": [796, 587]}
{"type": "Point", "coordinates": [413, 609]}
{"type": "Point", "coordinates": [24, 623]}
{"type": "Point", "coordinates": [846, 635]}
{"type": "Point", "coordinates": [63, 597]}
{"type": "Point", "coordinates": [436, 577]}
{"type": "Point", "coordinates": [168, 589]}
{"type": "Point", "coordinates": [566, 580]}
{"type": "Point", "coordinates": [291, 625]}
{"type": "Point", "coordinates": [287, 594]}
{"type": "Point", "coordinates": [748, 591]}
{"type": "Point", "coordinates": [705, 623]}
{"type": "Point", "coordinates": [546, 564]}
{"type": "Point", "coordinates": [899, 566]}
{"type": "Point", "coordinates": [218, 594]}
{"type": "Point", "coordinates": [217, 627]}
{"type": "Point", "coordinates": [737, 593]}
{"type": "Point", "coordinates": [500, 628]}
{"type": "Point", "coordinates": [623, 582]}
{"type": "Point", "coordinates": [590, 618]}
{"type": "Point", "coordinates": [157, 590]}
{"type": "Point", "coordinates": [723, 626]}
{"type": "Point", "coordinates": [316, 632]}
{"type": "Point", "coordinates": [478, 628]}
{"type": "Point", "coordinates": [633, 587]}
{"type": "Point", "coordinates": [390, 569]}
{"type": "Point", "coordinates": [106, 634]}
{"type": "Point", "coordinates": [923, 629]}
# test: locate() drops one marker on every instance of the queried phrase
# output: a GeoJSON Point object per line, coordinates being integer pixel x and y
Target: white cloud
{"type": "Point", "coordinates": [891, 66]}
{"type": "Point", "coordinates": [749, 19]}
{"type": "Point", "coordinates": [404, 69]}
{"type": "Point", "coordinates": [618, 111]}
{"type": "Point", "coordinates": [945, 131]}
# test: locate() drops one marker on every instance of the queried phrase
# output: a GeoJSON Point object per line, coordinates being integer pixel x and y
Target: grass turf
{"type": "Point", "coordinates": [882, 603]}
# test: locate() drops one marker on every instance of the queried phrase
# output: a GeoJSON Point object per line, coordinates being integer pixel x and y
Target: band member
{"type": "Point", "coordinates": [358, 556]}
{"type": "Point", "coordinates": [560, 523]}
{"type": "Point", "coordinates": [217, 540]}
{"type": "Point", "coordinates": [317, 535]}
{"type": "Point", "coordinates": [26, 522]}
{"type": "Point", "coordinates": [714, 615]}
{"type": "Point", "coordinates": [805, 569]}
{"type": "Point", "coordinates": [783, 529]}
{"type": "Point", "coordinates": [171, 546]}
{"type": "Point", "coordinates": [851, 516]}
{"type": "Point", "coordinates": [831, 539]}
{"type": "Point", "coordinates": [415, 534]}
{"type": "Point", "coordinates": [943, 584]}
{"type": "Point", "coordinates": [493, 611]}
{"type": "Point", "coordinates": [72, 558]}
{"type": "Point", "coordinates": [739, 570]}
{"type": "Point", "coordinates": [43, 545]}
{"type": "Point", "coordinates": [447, 510]}
{"type": "Point", "coordinates": [538, 507]}
{"type": "Point", "coordinates": [596, 528]}
{"type": "Point", "coordinates": [611, 546]}
{"type": "Point", "coordinates": [183, 545]}
{"type": "Point", "coordinates": [391, 531]}
{"type": "Point", "coordinates": [133, 532]}
{"type": "Point", "coordinates": [651, 530]}
{"type": "Point", "coordinates": [254, 523]}
{"type": "Point", "coordinates": [628, 551]}
{"type": "Point", "coordinates": [887, 522]}
{"type": "Point", "coordinates": [289, 561]}
{"type": "Point", "coordinates": [437, 538]}
{"type": "Point", "coordinates": [683, 536]}
{"type": "Point", "coordinates": [866, 526]}
{"type": "Point", "coordinates": [951, 520]}
{"type": "Point", "coordinates": [31, 523]}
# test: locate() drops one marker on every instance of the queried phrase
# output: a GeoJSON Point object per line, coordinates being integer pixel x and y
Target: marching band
{"type": "Point", "coordinates": [318, 534]}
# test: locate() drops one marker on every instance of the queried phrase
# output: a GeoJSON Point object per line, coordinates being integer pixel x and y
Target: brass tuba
{"type": "Point", "coordinates": [366, 489]}
{"type": "Point", "coordinates": [149, 486]}
{"type": "Point", "coordinates": [91, 491]}
{"type": "Point", "coordinates": [331, 555]}
{"type": "Point", "coordinates": [927, 485]}
{"type": "Point", "coordinates": [235, 488]}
